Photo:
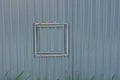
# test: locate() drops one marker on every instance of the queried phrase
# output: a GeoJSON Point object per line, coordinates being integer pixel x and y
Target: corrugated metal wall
{"type": "Point", "coordinates": [96, 38]}
{"type": "Point", "coordinates": [17, 40]}
{"type": "Point", "coordinates": [94, 30]}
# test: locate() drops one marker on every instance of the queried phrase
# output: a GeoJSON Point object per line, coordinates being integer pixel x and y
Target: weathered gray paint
{"type": "Point", "coordinates": [94, 39]}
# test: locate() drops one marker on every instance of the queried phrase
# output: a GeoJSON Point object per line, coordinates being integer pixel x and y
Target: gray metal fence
{"type": "Point", "coordinates": [93, 39]}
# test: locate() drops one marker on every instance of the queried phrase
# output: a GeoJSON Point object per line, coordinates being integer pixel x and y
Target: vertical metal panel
{"type": "Point", "coordinates": [94, 30]}
{"type": "Point", "coordinates": [96, 52]}
{"type": "Point", "coordinates": [52, 11]}
{"type": "Point", "coordinates": [1, 40]}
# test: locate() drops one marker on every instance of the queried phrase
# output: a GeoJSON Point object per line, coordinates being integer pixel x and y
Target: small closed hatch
{"type": "Point", "coordinates": [51, 39]}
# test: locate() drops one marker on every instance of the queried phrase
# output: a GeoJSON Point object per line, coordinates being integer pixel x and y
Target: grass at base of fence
{"type": "Point", "coordinates": [66, 77]}
{"type": "Point", "coordinates": [18, 77]}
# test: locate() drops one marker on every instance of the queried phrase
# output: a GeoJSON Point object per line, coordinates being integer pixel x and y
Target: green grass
{"type": "Point", "coordinates": [18, 77]}
{"type": "Point", "coordinates": [66, 77]}
{"type": "Point", "coordinates": [114, 77]}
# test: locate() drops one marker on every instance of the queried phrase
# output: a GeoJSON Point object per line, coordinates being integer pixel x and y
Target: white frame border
{"type": "Point", "coordinates": [65, 53]}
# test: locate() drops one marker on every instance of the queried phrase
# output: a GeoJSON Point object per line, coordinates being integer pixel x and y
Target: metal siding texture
{"type": "Point", "coordinates": [50, 39]}
{"type": "Point", "coordinates": [1, 40]}
{"type": "Point", "coordinates": [94, 39]}
{"type": "Point", "coordinates": [52, 11]}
